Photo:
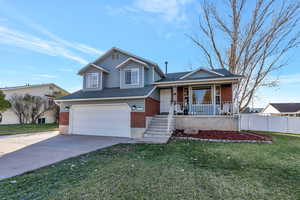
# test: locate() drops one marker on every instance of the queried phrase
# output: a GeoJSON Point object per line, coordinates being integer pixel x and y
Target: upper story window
{"type": "Point", "coordinates": [131, 76]}
{"type": "Point", "coordinates": [92, 80]}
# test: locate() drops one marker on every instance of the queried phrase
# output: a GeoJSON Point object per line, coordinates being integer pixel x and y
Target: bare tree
{"type": "Point", "coordinates": [30, 108]}
{"type": "Point", "coordinates": [18, 107]}
{"type": "Point", "coordinates": [4, 104]}
{"type": "Point", "coordinates": [248, 40]}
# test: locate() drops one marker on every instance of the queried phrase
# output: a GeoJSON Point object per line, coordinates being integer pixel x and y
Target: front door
{"type": "Point", "coordinates": [165, 100]}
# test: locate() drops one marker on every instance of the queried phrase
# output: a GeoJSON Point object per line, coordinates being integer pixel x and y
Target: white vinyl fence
{"type": "Point", "coordinates": [270, 123]}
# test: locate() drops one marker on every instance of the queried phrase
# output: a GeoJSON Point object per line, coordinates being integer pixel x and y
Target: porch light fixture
{"type": "Point", "coordinates": [133, 107]}
{"type": "Point", "coordinates": [67, 107]}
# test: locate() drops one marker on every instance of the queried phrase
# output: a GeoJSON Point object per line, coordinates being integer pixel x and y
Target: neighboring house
{"type": "Point", "coordinates": [42, 90]}
{"type": "Point", "coordinates": [122, 95]}
{"type": "Point", "coordinates": [282, 109]}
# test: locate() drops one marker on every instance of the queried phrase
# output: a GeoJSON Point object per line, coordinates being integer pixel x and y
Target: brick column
{"type": "Point", "coordinates": [64, 122]}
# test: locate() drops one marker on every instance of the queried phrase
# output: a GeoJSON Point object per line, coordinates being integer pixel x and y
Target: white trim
{"type": "Point", "coordinates": [91, 65]}
{"type": "Point", "coordinates": [200, 69]}
{"type": "Point", "coordinates": [108, 98]}
{"type": "Point", "coordinates": [153, 77]}
{"type": "Point", "coordinates": [106, 104]}
{"type": "Point", "coordinates": [134, 60]}
{"type": "Point", "coordinates": [138, 76]}
{"type": "Point", "coordinates": [168, 83]}
{"type": "Point", "coordinates": [143, 78]}
{"type": "Point", "coordinates": [87, 80]}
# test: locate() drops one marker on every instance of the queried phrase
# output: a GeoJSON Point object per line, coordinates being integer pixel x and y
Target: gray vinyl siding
{"type": "Point", "coordinates": [149, 76]}
{"type": "Point", "coordinates": [100, 83]}
{"type": "Point", "coordinates": [115, 78]}
{"type": "Point", "coordinates": [201, 74]}
{"type": "Point", "coordinates": [112, 79]}
{"type": "Point", "coordinates": [139, 103]}
{"type": "Point", "coordinates": [132, 65]}
{"type": "Point", "coordinates": [157, 77]}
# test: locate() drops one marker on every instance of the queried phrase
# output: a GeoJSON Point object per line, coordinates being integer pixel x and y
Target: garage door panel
{"type": "Point", "coordinates": [108, 120]}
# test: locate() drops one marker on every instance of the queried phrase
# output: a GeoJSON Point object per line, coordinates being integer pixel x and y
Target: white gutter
{"type": "Point", "coordinates": [202, 80]}
{"type": "Point", "coordinates": [108, 98]}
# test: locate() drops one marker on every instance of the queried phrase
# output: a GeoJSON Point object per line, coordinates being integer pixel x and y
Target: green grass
{"type": "Point", "coordinates": [26, 128]}
{"type": "Point", "coordinates": [178, 170]}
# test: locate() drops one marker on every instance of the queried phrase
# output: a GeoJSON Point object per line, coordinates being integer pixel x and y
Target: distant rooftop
{"type": "Point", "coordinates": [286, 107]}
{"type": "Point", "coordinates": [31, 86]}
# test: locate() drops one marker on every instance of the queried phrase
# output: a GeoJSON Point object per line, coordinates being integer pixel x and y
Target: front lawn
{"type": "Point", "coordinates": [178, 170]}
{"type": "Point", "coordinates": [26, 128]}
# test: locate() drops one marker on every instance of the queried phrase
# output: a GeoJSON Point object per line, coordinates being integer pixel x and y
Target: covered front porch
{"type": "Point", "coordinates": [198, 99]}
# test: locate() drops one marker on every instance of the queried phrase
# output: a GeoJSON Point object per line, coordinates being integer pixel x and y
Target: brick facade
{"type": "Point", "coordinates": [180, 94]}
{"type": "Point", "coordinates": [226, 93]}
{"type": "Point", "coordinates": [152, 106]}
{"type": "Point", "coordinates": [137, 120]}
{"type": "Point", "coordinates": [64, 118]}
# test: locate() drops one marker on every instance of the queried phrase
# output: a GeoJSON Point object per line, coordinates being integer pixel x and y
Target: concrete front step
{"type": "Point", "coordinates": [159, 129]}
{"type": "Point", "coordinates": [153, 140]}
{"type": "Point", "coordinates": [156, 135]}
{"type": "Point", "coordinates": [158, 123]}
{"type": "Point", "coordinates": [159, 126]}
{"type": "Point", "coordinates": [156, 132]}
{"type": "Point", "coordinates": [161, 116]}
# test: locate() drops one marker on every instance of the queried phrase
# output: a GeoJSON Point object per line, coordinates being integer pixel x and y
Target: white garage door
{"type": "Point", "coordinates": [102, 120]}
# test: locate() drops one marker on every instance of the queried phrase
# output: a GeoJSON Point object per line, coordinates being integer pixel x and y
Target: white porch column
{"type": "Point", "coordinates": [214, 98]}
{"type": "Point", "coordinates": [174, 89]}
{"type": "Point", "coordinates": [190, 99]}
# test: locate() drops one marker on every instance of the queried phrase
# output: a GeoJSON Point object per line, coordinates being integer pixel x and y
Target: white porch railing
{"type": "Point", "coordinates": [171, 124]}
{"type": "Point", "coordinates": [201, 108]}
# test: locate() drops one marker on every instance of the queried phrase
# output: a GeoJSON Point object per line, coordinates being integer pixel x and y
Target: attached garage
{"type": "Point", "coordinates": [100, 120]}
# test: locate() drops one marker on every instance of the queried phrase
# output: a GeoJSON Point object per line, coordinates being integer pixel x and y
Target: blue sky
{"type": "Point", "coordinates": [49, 41]}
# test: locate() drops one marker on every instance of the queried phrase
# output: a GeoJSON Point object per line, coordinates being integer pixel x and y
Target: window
{"type": "Point", "coordinates": [41, 120]}
{"type": "Point", "coordinates": [92, 80]}
{"type": "Point", "coordinates": [201, 95]}
{"type": "Point", "coordinates": [131, 77]}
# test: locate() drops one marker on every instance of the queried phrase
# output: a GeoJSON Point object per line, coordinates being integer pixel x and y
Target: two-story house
{"type": "Point", "coordinates": [128, 96]}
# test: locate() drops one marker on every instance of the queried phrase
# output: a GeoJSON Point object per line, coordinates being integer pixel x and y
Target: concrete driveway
{"type": "Point", "coordinates": [23, 153]}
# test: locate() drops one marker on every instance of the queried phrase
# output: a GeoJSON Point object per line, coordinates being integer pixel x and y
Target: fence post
{"type": "Point", "coordinates": [287, 124]}
{"type": "Point", "coordinates": [268, 123]}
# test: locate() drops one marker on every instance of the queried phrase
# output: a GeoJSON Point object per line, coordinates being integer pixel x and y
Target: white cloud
{"type": "Point", "coordinates": [45, 76]}
{"type": "Point", "coordinates": [169, 9]}
{"type": "Point", "coordinates": [56, 46]}
{"type": "Point", "coordinates": [27, 41]}
{"type": "Point", "coordinates": [65, 70]}
{"type": "Point", "coordinates": [289, 79]}
{"type": "Point", "coordinates": [74, 45]}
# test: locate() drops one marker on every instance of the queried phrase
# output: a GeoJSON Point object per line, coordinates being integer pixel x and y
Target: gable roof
{"type": "Point", "coordinates": [133, 60]}
{"type": "Point", "coordinates": [200, 69]}
{"type": "Point", "coordinates": [177, 76]}
{"type": "Point", "coordinates": [91, 65]}
{"type": "Point", "coordinates": [157, 68]}
{"type": "Point", "coordinates": [33, 86]}
{"type": "Point", "coordinates": [108, 93]}
{"type": "Point", "coordinates": [286, 107]}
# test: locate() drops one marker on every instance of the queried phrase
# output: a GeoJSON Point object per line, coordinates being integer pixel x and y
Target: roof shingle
{"type": "Point", "coordinates": [108, 93]}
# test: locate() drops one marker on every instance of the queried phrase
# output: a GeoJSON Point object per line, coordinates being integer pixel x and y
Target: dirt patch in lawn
{"type": "Point", "coordinates": [224, 135]}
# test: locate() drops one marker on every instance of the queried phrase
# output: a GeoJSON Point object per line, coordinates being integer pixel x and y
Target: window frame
{"type": "Point", "coordinates": [88, 83]}
{"type": "Point", "coordinates": [131, 70]}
